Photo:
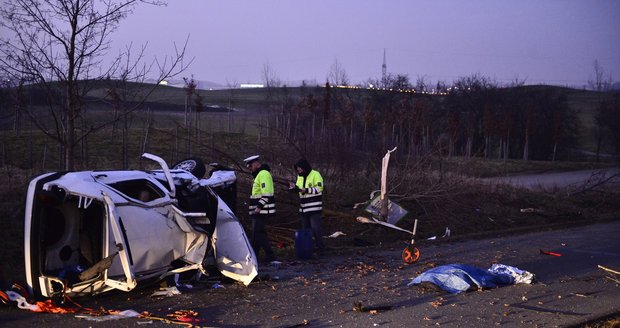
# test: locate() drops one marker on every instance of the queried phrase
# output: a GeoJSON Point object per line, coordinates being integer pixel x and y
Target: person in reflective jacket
{"type": "Point", "coordinates": [262, 205]}
{"type": "Point", "coordinates": [309, 185]}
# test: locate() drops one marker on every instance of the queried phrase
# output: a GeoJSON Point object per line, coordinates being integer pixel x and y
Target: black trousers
{"type": "Point", "coordinates": [260, 240]}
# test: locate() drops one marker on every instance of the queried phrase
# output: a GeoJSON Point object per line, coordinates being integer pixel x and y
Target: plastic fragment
{"type": "Point", "coordinates": [121, 315]}
{"type": "Point", "coordinates": [169, 291]}
{"type": "Point", "coordinates": [550, 253]}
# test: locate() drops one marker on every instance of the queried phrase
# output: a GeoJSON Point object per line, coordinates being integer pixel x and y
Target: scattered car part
{"type": "Point", "coordinates": [411, 253]}
{"type": "Point", "coordinates": [193, 165]}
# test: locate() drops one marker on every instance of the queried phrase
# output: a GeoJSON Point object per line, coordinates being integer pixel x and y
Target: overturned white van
{"type": "Point", "coordinates": [92, 231]}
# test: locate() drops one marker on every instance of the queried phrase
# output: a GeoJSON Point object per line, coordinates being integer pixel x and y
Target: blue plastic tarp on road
{"type": "Point", "coordinates": [456, 278]}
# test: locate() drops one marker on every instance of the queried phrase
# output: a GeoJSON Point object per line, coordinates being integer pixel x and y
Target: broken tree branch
{"type": "Point", "coordinates": [608, 269]}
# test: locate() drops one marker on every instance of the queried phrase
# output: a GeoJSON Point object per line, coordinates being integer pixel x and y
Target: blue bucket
{"type": "Point", "coordinates": [303, 244]}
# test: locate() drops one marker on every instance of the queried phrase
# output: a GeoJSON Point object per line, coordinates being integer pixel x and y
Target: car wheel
{"type": "Point", "coordinates": [4, 298]}
{"type": "Point", "coordinates": [411, 254]}
{"type": "Point", "coordinates": [193, 165]}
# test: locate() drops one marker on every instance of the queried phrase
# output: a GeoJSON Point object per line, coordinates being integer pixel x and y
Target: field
{"type": "Point", "coordinates": [440, 191]}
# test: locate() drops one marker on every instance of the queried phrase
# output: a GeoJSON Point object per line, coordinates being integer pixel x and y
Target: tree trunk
{"type": "Point", "coordinates": [145, 143]}
{"type": "Point", "coordinates": [70, 145]}
{"type": "Point", "coordinates": [229, 115]}
{"type": "Point", "coordinates": [351, 134]}
{"type": "Point", "coordinates": [124, 144]}
{"type": "Point", "coordinates": [176, 145]}
{"type": "Point", "coordinates": [599, 140]}
{"type": "Point", "coordinates": [313, 125]}
{"type": "Point", "coordinates": [364, 136]}
{"type": "Point", "coordinates": [486, 147]}
{"type": "Point", "coordinates": [526, 155]}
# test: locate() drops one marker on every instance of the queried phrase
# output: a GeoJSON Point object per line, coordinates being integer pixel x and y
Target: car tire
{"type": "Point", "coordinates": [4, 298]}
{"type": "Point", "coordinates": [193, 165]}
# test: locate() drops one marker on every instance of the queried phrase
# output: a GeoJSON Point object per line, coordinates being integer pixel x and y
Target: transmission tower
{"type": "Point", "coordinates": [384, 70]}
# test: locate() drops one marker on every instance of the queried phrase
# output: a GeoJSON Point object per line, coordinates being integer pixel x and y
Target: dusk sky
{"type": "Point", "coordinates": [550, 42]}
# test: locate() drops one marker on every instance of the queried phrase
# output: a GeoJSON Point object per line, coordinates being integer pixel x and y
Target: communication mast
{"type": "Point", "coordinates": [384, 70]}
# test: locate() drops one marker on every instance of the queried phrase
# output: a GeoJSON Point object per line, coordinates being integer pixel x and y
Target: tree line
{"type": "Point", "coordinates": [471, 117]}
{"type": "Point", "coordinates": [55, 50]}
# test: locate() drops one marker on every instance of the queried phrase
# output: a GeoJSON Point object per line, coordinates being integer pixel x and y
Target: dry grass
{"type": "Point", "coordinates": [438, 199]}
{"type": "Point", "coordinates": [612, 321]}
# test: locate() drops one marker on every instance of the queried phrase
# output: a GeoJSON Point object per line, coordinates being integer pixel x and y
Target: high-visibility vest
{"type": "Point", "coordinates": [312, 199]}
{"type": "Point", "coordinates": [262, 194]}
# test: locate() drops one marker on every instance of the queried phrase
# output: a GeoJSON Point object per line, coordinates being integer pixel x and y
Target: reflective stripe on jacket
{"type": "Point", "coordinates": [262, 194]}
{"type": "Point", "coordinates": [312, 200]}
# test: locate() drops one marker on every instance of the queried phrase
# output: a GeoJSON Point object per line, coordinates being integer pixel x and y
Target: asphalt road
{"type": "Point", "coordinates": [570, 289]}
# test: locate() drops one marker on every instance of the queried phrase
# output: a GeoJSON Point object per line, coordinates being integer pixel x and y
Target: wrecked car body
{"type": "Point", "coordinates": [93, 231]}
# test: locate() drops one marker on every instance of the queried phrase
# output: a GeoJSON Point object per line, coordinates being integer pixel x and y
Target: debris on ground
{"type": "Point", "coordinates": [550, 253]}
{"type": "Point", "coordinates": [520, 276]}
{"type": "Point", "coordinates": [116, 316]}
{"type": "Point", "coordinates": [167, 292]}
{"type": "Point", "coordinates": [183, 317]}
{"type": "Point", "coordinates": [336, 234]}
{"type": "Point", "coordinates": [438, 302]}
{"type": "Point", "coordinates": [363, 219]}
{"type": "Point", "coordinates": [456, 278]}
{"type": "Point", "coordinates": [615, 272]}
{"type": "Point", "coordinates": [531, 210]}
{"type": "Point", "coordinates": [358, 307]}
{"type": "Point", "coordinates": [609, 270]}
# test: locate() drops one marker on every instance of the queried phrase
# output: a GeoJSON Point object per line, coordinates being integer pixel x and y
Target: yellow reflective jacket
{"type": "Point", "coordinates": [262, 192]}
{"type": "Point", "coordinates": [311, 192]}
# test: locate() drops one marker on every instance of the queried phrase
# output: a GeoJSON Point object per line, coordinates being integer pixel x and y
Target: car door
{"type": "Point", "coordinates": [118, 245]}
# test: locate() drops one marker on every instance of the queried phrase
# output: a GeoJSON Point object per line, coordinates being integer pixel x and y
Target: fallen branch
{"type": "Point", "coordinates": [366, 220]}
{"type": "Point", "coordinates": [608, 269]}
{"type": "Point", "coordinates": [589, 185]}
{"type": "Point", "coordinates": [613, 279]}
{"type": "Point", "coordinates": [358, 307]}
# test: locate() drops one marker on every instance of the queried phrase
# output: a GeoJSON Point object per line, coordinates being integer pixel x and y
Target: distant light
{"type": "Point", "coordinates": [163, 82]}
{"type": "Point", "coordinates": [251, 85]}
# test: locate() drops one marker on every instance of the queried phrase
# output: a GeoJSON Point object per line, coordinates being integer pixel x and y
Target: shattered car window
{"type": "Point", "coordinates": [142, 190]}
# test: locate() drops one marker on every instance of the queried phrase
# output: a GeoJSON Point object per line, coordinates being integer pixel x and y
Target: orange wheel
{"type": "Point", "coordinates": [4, 298]}
{"type": "Point", "coordinates": [411, 254]}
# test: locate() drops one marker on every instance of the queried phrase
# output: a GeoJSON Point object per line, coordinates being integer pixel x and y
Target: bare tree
{"type": "Point", "coordinates": [599, 82]}
{"type": "Point", "coordinates": [607, 119]}
{"type": "Point", "coordinates": [59, 47]}
{"type": "Point", "coordinates": [421, 84]}
{"type": "Point", "coordinates": [272, 83]}
{"type": "Point", "coordinates": [189, 86]}
{"type": "Point", "coordinates": [270, 77]}
{"type": "Point", "coordinates": [337, 74]}
{"type": "Point", "coordinates": [401, 82]}
{"type": "Point", "coordinates": [232, 86]}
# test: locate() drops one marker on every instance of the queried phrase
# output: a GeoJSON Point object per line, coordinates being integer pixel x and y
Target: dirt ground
{"type": "Point", "coordinates": [365, 266]}
{"type": "Point", "coordinates": [368, 287]}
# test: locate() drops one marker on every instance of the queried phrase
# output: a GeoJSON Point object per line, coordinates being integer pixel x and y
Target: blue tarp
{"type": "Point", "coordinates": [456, 278]}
